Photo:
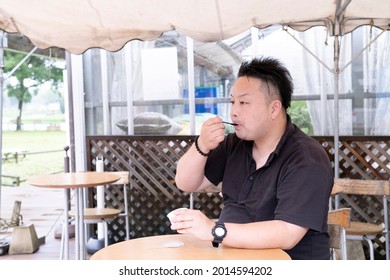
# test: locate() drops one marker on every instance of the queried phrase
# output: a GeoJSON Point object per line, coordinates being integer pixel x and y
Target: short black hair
{"type": "Point", "coordinates": [274, 73]}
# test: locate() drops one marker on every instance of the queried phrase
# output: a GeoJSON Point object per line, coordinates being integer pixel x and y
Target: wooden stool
{"type": "Point", "coordinates": [99, 215]}
{"type": "Point", "coordinates": [366, 232]}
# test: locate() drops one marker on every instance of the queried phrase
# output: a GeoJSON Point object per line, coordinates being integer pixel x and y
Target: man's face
{"type": "Point", "coordinates": [251, 108]}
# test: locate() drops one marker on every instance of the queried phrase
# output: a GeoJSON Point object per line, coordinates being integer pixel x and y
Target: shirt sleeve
{"type": "Point", "coordinates": [215, 165]}
{"type": "Point", "coordinates": [303, 192]}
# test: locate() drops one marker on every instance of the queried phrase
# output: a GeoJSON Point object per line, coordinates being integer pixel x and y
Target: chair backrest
{"type": "Point", "coordinates": [124, 177]}
{"type": "Point", "coordinates": [124, 181]}
{"type": "Point", "coordinates": [361, 187]}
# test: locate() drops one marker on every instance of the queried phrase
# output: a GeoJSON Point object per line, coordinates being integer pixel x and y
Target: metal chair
{"type": "Point", "coordinates": [366, 231]}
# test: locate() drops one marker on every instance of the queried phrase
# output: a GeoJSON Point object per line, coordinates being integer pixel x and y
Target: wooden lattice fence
{"type": "Point", "coordinates": [152, 160]}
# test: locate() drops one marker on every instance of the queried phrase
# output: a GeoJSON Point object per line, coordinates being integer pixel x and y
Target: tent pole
{"type": "Point", "coordinates": [336, 72]}
{"type": "Point", "coordinates": [21, 62]}
{"type": "Point", "coordinates": [308, 50]}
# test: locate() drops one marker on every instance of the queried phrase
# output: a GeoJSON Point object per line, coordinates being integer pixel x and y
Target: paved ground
{"type": "Point", "coordinates": [44, 209]}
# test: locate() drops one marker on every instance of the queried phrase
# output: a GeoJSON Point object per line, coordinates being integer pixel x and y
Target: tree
{"type": "Point", "coordinates": [300, 116]}
{"type": "Point", "coordinates": [35, 71]}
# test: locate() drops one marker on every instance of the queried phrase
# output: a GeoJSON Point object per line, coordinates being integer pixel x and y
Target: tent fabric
{"type": "Point", "coordinates": [77, 25]}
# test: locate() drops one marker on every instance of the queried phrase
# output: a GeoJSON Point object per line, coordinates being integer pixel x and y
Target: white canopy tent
{"type": "Point", "coordinates": [77, 25]}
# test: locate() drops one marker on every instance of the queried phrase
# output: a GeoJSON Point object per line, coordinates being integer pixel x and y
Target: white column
{"type": "Point", "coordinates": [191, 84]}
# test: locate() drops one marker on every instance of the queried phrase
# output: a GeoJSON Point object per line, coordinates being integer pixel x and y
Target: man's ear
{"type": "Point", "coordinates": [276, 107]}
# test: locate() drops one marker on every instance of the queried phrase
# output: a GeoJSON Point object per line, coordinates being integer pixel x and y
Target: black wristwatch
{"type": "Point", "coordinates": [219, 232]}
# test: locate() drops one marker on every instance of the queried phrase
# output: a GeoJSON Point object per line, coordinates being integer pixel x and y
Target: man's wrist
{"type": "Point", "coordinates": [198, 149]}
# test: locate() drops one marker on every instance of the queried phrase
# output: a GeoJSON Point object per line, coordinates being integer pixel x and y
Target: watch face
{"type": "Point", "coordinates": [219, 231]}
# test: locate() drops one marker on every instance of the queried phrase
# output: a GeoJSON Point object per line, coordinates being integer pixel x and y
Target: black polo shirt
{"type": "Point", "coordinates": [294, 186]}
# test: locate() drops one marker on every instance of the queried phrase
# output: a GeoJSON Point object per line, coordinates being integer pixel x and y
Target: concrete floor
{"type": "Point", "coordinates": [44, 209]}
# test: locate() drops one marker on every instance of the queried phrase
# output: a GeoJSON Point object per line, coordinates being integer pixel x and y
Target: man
{"type": "Point", "coordinates": [276, 180]}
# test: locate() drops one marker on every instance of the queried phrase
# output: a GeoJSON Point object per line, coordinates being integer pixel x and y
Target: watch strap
{"type": "Point", "coordinates": [218, 239]}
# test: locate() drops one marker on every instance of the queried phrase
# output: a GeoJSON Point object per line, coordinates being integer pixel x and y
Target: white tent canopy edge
{"type": "Point", "coordinates": [77, 25]}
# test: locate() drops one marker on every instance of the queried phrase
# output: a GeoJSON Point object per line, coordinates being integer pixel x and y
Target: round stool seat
{"type": "Point", "coordinates": [360, 228]}
{"type": "Point", "coordinates": [98, 213]}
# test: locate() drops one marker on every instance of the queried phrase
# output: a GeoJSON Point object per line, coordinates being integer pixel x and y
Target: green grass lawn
{"type": "Point", "coordinates": [40, 158]}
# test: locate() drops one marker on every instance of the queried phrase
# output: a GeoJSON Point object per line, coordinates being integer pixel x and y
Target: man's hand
{"type": "Point", "coordinates": [211, 134]}
{"type": "Point", "coordinates": [193, 222]}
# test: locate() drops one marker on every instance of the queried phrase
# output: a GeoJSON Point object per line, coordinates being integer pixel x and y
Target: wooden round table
{"type": "Point", "coordinates": [73, 180]}
{"type": "Point", "coordinates": [78, 181]}
{"type": "Point", "coordinates": [181, 247]}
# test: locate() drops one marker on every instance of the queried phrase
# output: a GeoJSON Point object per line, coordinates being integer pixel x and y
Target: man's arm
{"type": "Point", "coordinates": [267, 234]}
{"type": "Point", "coordinates": [256, 235]}
{"type": "Point", "coordinates": [190, 172]}
{"type": "Point", "coordinates": [190, 168]}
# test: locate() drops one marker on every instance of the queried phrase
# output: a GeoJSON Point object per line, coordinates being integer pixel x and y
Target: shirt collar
{"type": "Point", "coordinates": [290, 128]}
